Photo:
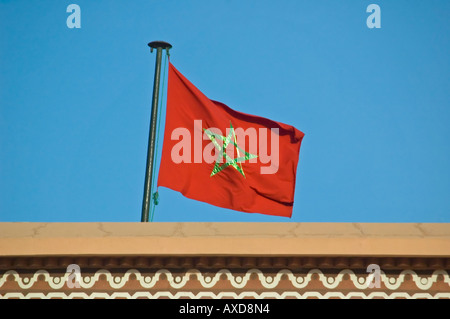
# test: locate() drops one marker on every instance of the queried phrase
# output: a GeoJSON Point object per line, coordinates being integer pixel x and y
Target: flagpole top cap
{"type": "Point", "coordinates": [159, 44]}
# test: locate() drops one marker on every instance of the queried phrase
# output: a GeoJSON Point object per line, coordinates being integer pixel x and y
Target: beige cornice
{"type": "Point", "coordinates": [225, 239]}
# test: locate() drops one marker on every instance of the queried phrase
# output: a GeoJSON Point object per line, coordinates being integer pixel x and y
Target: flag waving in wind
{"type": "Point", "coordinates": [229, 159]}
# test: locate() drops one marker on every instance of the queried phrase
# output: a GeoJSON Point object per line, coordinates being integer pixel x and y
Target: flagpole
{"type": "Point", "coordinates": [159, 46]}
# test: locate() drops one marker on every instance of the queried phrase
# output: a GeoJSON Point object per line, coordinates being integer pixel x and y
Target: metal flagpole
{"type": "Point", "coordinates": [159, 46]}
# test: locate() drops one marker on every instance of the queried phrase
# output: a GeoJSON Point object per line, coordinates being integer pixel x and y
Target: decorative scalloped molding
{"type": "Point", "coordinates": [237, 281]}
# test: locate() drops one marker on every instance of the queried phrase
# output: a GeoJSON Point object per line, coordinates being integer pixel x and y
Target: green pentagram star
{"type": "Point", "coordinates": [230, 139]}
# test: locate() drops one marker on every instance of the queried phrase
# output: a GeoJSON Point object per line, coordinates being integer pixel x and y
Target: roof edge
{"type": "Point", "coordinates": [225, 239]}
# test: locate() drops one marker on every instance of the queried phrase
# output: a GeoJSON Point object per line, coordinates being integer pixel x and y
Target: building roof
{"type": "Point", "coordinates": [225, 239]}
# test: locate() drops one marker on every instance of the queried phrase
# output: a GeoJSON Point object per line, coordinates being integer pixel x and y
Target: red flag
{"type": "Point", "coordinates": [229, 159]}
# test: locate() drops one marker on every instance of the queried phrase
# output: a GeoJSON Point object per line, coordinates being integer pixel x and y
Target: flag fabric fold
{"type": "Point", "coordinates": [214, 154]}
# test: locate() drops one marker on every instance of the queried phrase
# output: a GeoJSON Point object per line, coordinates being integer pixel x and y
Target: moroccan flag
{"type": "Point", "coordinates": [229, 159]}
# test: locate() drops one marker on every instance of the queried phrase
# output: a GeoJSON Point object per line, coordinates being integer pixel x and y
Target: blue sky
{"type": "Point", "coordinates": [374, 104]}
